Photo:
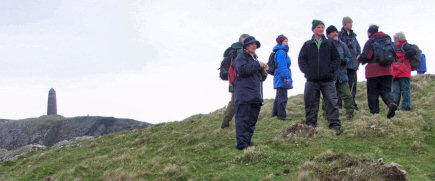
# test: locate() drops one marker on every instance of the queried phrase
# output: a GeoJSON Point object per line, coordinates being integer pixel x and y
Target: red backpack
{"type": "Point", "coordinates": [232, 74]}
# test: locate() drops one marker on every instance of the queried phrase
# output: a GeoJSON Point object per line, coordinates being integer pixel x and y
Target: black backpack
{"type": "Point", "coordinates": [229, 55]}
{"type": "Point", "coordinates": [384, 50]}
{"type": "Point", "coordinates": [415, 60]}
{"type": "Point", "coordinates": [271, 62]}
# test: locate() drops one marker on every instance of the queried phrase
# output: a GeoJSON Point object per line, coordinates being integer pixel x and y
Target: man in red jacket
{"type": "Point", "coordinates": [379, 77]}
{"type": "Point", "coordinates": [402, 71]}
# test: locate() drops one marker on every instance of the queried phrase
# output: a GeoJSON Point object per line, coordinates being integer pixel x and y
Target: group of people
{"type": "Point", "coordinates": [330, 65]}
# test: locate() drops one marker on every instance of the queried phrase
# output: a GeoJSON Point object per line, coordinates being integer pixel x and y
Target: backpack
{"type": "Point", "coordinates": [415, 60]}
{"type": "Point", "coordinates": [232, 74]}
{"type": "Point", "coordinates": [271, 62]}
{"type": "Point", "coordinates": [229, 55]}
{"type": "Point", "coordinates": [384, 50]}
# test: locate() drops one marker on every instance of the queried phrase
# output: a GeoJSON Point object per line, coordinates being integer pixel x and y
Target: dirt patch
{"type": "Point", "coordinates": [299, 129]}
{"type": "Point", "coordinates": [341, 166]}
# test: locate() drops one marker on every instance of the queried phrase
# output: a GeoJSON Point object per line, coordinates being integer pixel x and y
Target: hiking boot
{"type": "Point", "coordinates": [285, 118]}
{"type": "Point", "coordinates": [349, 116]}
{"type": "Point", "coordinates": [356, 108]}
{"type": "Point", "coordinates": [392, 110]}
{"type": "Point", "coordinates": [337, 132]}
{"type": "Point", "coordinates": [225, 124]}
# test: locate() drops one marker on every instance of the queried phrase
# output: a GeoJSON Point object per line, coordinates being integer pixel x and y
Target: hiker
{"type": "Point", "coordinates": [422, 68]}
{"type": "Point", "coordinates": [318, 60]}
{"type": "Point", "coordinates": [349, 38]}
{"type": "Point", "coordinates": [340, 78]}
{"type": "Point", "coordinates": [402, 71]}
{"type": "Point", "coordinates": [379, 73]}
{"type": "Point", "coordinates": [232, 52]}
{"type": "Point", "coordinates": [282, 79]}
{"type": "Point", "coordinates": [248, 92]}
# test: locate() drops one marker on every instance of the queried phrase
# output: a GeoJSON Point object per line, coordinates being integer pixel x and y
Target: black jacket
{"type": "Point", "coordinates": [319, 64]}
{"type": "Point", "coordinates": [248, 86]}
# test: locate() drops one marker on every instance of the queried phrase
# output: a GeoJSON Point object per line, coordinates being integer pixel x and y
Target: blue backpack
{"type": "Point", "coordinates": [384, 50]}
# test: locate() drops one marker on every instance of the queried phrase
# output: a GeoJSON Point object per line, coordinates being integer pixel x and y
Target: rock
{"type": "Point", "coordinates": [49, 130]}
{"type": "Point", "coordinates": [14, 154]}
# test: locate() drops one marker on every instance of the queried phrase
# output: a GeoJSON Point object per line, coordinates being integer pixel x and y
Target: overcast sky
{"type": "Point", "coordinates": [156, 61]}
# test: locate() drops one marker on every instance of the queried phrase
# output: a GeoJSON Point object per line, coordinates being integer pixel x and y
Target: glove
{"type": "Point", "coordinates": [343, 62]}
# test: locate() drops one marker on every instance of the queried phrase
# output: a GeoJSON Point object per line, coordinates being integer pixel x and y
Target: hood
{"type": "Point", "coordinates": [314, 38]}
{"type": "Point", "coordinates": [281, 47]}
{"type": "Point", "coordinates": [237, 45]}
{"type": "Point", "coordinates": [350, 32]}
{"type": "Point", "coordinates": [401, 43]}
{"type": "Point", "coordinates": [377, 34]}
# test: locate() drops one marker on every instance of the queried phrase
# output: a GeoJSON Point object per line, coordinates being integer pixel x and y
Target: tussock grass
{"type": "Point", "coordinates": [197, 149]}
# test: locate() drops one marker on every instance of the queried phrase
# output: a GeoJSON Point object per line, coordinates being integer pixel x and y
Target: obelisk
{"type": "Point", "coordinates": [51, 106]}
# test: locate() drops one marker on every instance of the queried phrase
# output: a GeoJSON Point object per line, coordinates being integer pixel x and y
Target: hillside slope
{"type": "Point", "coordinates": [197, 149]}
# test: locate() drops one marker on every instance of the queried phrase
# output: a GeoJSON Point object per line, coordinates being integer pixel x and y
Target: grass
{"type": "Point", "coordinates": [197, 149]}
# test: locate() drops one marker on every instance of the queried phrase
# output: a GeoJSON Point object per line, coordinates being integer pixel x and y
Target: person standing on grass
{"type": "Point", "coordinates": [282, 79]}
{"type": "Point", "coordinates": [347, 36]}
{"type": "Point", "coordinates": [402, 71]}
{"type": "Point", "coordinates": [379, 74]}
{"type": "Point", "coordinates": [248, 92]}
{"type": "Point", "coordinates": [341, 79]}
{"type": "Point", "coordinates": [318, 60]}
{"type": "Point", "coordinates": [237, 47]}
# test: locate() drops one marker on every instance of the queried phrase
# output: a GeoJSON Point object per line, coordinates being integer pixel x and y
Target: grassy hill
{"type": "Point", "coordinates": [197, 149]}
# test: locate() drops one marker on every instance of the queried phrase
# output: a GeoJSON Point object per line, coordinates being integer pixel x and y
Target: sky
{"type": "Point", "coordinates": [157, 61]}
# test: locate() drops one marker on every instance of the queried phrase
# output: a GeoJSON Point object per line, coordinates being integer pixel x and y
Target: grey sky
{"type": "Point", "coordinates": [157, 60]}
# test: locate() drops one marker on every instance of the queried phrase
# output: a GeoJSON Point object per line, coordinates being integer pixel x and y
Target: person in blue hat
{"type": "Point", "coordinates": [248, 92]}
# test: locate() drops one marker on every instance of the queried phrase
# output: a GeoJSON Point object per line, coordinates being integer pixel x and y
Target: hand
{"type": "Point", "coordinates": [358, 57]}
{"type": "Point", "coordinates": [343, 62]}
{"type": "Point", "coordinates": [262, 65]}
{"type": "Point", "coordinates": [287, 81]}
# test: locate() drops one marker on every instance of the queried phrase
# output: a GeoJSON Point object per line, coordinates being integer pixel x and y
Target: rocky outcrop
{"type": "Point", "coordinates": [49, 130]}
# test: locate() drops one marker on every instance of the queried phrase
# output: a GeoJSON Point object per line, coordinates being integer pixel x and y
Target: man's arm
{"type": "Point", "coordinates": [302, 59]}
{"type": "Point", "coordinates": [245, 68]}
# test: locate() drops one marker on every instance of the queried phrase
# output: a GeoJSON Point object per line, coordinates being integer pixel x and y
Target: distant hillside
{"type": "Point", "coordinates": [48, 130]}
{"type": "Point", "coordinates": [197, 149]}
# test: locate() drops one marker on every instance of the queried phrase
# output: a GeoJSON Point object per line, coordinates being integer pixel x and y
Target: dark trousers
{"type": "Point", "coordinates": [379, 86]}
{"type": "Point", "coordinates": [229, 112]}
{"type": "Point", "coordinates": [352, 75]}
{"type": "Point", "coordinates": [280, 103]}
{"type": "Point", "coordinates": [312, 99]}
{"type": "Point", "coordinates": [402, 89]}
{"type": "Point", "coordinates": [246, 118]}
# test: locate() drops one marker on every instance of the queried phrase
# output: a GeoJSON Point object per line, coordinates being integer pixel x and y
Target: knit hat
{"type": "Point", "coordinates": [251, 40]}
{"type": "Point", "coordinates": [346, 20]}
{"type": "Point", "coordinates": [280, 39]}
{"type": "Point", "coordinates": [330, 29]}
{"type": "Point", "coordinates": [315, 23]}
{"type": "Point", "coordinates": [373, 29]}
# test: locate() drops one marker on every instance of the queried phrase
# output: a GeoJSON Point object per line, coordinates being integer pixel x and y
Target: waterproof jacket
{"type": "Point", "coordinates": [343, 51]}
{"type": "Point", "coordinates": [282, 71]}
{"type": "Point", "coordinates": [319, 64]}
{"type": "Point", "coordinates": [374, 69]}
{"type": "Point", "coordinates": [422, 68]}
{"type": "Point", "coordinates": [249, 81]}
{"type": "Point", "coordinates": [355, 49]}
{"type": "Point", "coordinates": [402, 66]}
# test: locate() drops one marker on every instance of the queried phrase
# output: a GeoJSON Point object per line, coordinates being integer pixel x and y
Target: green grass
{"type": "Point", "coordinates": [197, 149]}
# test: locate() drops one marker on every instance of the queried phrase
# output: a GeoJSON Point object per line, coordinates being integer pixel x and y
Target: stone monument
{"type": "Point", "coordinates": [51, 106]}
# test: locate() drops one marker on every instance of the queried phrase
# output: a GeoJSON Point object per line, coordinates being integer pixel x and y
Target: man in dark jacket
{"type": "Point", "coordinates": [229, 112]}
{"type": "Point", "coordinates": [318, 60]}
{"type": "Point", "coordinates": [349, 38]}
{"type": "Point", "coordinates": [248, 92]}
{"type": "Point", "coordinates": [379, 77]}
{"type": "Point", "coordinates": [341, 79]}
